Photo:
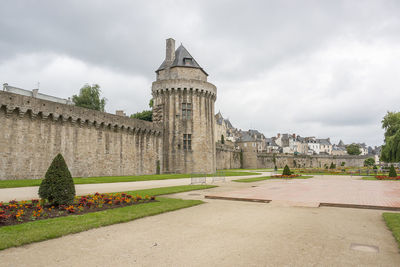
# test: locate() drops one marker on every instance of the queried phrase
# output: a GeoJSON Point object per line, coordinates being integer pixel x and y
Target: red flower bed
{"type": "Point", "coordinates": [383, 177]}
{"type": "Point", "coordinates": [23, 211]}
{"type": "Point", "coordinates": [286, 176]}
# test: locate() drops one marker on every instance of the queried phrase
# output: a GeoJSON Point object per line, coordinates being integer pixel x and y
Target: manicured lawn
{"type": "Point", "coordinates": [265, 169]}
{"type": "Point", "coordinates": [17, 235]}
{"type": "Point", "coordinates": [112, 179]}
{"type": "Point", "coordinates": [393, 222]}
{"type": "Point", "coordinates": [369, 178]}
{"type": "Point", "coordinates": [256, 179]}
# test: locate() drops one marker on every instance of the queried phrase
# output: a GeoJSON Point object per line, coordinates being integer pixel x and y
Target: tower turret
{"type": "Point", "coordinates": [184, 105]}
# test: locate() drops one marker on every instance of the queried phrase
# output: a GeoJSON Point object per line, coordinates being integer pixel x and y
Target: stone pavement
{"type": "Point", "coordinates": [224, 233]}
{"type": "Point", "coordinates": [25, 193]}
{"type": "Point", "coordinates": [323, 190]}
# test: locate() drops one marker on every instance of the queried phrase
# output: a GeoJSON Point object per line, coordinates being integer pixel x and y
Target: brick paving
{"type": "Point", "coordinates": [325, 192]}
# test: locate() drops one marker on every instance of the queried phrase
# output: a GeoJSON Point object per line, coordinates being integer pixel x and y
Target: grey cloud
{"type": "Point", "coordinates": [267, 58]}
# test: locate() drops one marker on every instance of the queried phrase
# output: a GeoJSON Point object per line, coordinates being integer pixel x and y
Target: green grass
{"type": "Point", "coordinates": [256, 179]}
{"type": "Point", "coordinates": [369, 178]}
{"type": "Point", "coordinates": [112, 179]}
{"type": "Point", "coordinates": [393, 222]}
{"type": "Point", "coordinates": [264, 169]}
{"type": "Point", "coordinates": [21, 234]}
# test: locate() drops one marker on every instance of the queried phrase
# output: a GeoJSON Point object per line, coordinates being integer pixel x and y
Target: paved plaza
{"type": "Point", "coordinates": [341, 191]}
{"type": "Point", "coordinates": [235, 233]}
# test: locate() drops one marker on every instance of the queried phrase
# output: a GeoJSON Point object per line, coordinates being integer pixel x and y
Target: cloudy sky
{"type": "Point", "coordinates": [315, 68]}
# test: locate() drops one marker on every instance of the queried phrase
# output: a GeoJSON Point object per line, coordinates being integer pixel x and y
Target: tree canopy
{"type": "Point", "coordinates": [391, 148]}
{"type": "Point", "coordinates": [353, 149]}
{"type": "Point", "coordinates": [146, 115]}
{"type": "Point", "coordinates": [369, 162]}
{"type": "Point", "coordinates": [89, 97]}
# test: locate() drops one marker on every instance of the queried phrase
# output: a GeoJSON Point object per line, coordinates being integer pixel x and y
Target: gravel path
{"type": "Point", "coordinates": [225, 233]}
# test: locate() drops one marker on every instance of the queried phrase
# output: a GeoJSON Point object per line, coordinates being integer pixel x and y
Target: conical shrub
{"type": "Point", "coordinates": [286, 170]}
{"type": "Point", "coordinates": [58, 187]}
{"type": "Point", "coordinates": [392, 172]}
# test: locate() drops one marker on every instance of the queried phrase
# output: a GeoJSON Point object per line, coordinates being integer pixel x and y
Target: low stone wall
{"type": "Point", "coordinates": [93, 143]}
{"type": "Point", "coordinates": [227, 157]}
{"type": "Point", "coordinates": [266, 160]}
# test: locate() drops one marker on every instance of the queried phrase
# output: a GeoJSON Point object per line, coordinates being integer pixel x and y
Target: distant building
{"type": "Point", "coordinates": [35, 93]}
{"type": "Point", "coordinates": [325, 146]}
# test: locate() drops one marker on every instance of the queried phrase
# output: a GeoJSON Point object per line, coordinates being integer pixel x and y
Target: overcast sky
{"type": "Point", "coordinates": [314, 68]}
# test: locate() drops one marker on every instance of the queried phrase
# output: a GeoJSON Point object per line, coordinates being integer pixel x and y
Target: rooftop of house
{"type": "Point", "coordinates": [326, 141]}
{"type": "Point", "coordinates": [35, 93]}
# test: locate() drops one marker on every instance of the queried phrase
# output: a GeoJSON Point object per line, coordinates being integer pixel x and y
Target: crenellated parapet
{"type": "Point", "coordinates": [197, 87]}
{"type": "Point", "coordinates": [34, 108]}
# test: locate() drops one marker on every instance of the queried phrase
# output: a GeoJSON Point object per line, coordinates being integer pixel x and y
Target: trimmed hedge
{"type": "Point", "coordinates": [57, 186]}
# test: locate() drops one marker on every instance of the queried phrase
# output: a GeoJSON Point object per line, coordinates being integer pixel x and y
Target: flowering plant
{"type": "Point", "coordinates": [22, 211]}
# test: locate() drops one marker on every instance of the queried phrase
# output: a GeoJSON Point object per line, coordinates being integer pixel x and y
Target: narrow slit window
{"type": "Point", "coordinates": [187, 142]}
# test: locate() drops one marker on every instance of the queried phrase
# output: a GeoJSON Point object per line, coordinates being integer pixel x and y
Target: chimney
{"type": "Point", "coordinates": [170, 51]}
{"type": "Point", "coordinates": [120, 113]}
{"type": "Point", "coordinates": [279, 135]}
{"type": "Point", "coordinates": [35, 92]}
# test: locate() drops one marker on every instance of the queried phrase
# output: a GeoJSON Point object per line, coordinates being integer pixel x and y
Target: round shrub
{"type": "Point", "coordinates": [58, 187]}
{"type": "Point", "coordinates": [286, 170]}
{"type": "Point", "coordinates": [392, 172]}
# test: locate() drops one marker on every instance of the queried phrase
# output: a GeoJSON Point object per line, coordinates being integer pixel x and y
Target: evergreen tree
{"type": "Point", "coordinates": [58, 187]}
{"type": "Point", "coordinates": [222, 139]}
{"type": "Point", "coordinates": [392, 172]}
{"type": "Point", "coordinates": [286, 170]}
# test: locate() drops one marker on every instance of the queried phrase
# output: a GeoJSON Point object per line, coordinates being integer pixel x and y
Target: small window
{"type": "Point", "coordinates": [186, 111]}
{"type": "Point", "coordinates": [187, 61]}
{"type": "Point", "coordinates": [187, 142]}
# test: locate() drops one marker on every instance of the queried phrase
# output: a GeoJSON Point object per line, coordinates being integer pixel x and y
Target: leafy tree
{"type": "Point", "coordinates": [146, 115]}
{"type": "Point", "coordinates": [343, 163]}
{"type": "Point", "coordinates": [353, 149]}
{"type": "Point", "coordinates": [89, 97]}
{"type": "Point", "coordinates": [286, 170]}
{"type": "Point", "coordinates": [391, 148]}
{"type": "Point", "coordinates": [369, 162]}
{"type": "Point", "coordinates": [57, 186]}
{"type": "Point", "coordinates": [392, 172]}
{"type": "Point", "coordinates": [333, 166]}
{"type": "Point", "coordinates": [222, 139]}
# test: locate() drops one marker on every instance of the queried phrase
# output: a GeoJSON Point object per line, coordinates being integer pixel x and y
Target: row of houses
{"type": "Point", "coordinates": [282, 143]}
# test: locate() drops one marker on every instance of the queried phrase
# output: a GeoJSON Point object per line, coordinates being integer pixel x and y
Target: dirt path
{"type": "Point", "coordinates": [223, 233]}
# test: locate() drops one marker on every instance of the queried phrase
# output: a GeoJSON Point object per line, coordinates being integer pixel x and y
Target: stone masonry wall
{"type": "Point", "coordinates": [265, 160]}
{"type": "Point", "coordinates": [169, 95]}
{"type": "Point", "coordinates": [33, 131]}
{"type": "Point", "coordinates": [227, 157]}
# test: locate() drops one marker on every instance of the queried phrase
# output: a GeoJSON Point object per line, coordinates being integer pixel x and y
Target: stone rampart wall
{"type": "Point", "coordinates": [266, 160]}
{"type": "Point", "coordinates": [93, 143]}
{"type": "Point", "coordinates": [227, 157]}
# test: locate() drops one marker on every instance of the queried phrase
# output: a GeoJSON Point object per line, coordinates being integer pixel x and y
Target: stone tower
{"type": "Point", "coordinates": [184, 106]}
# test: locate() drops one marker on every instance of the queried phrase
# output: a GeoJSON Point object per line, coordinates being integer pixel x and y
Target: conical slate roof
{"type": "Point", "coordinates": [182, 59]}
